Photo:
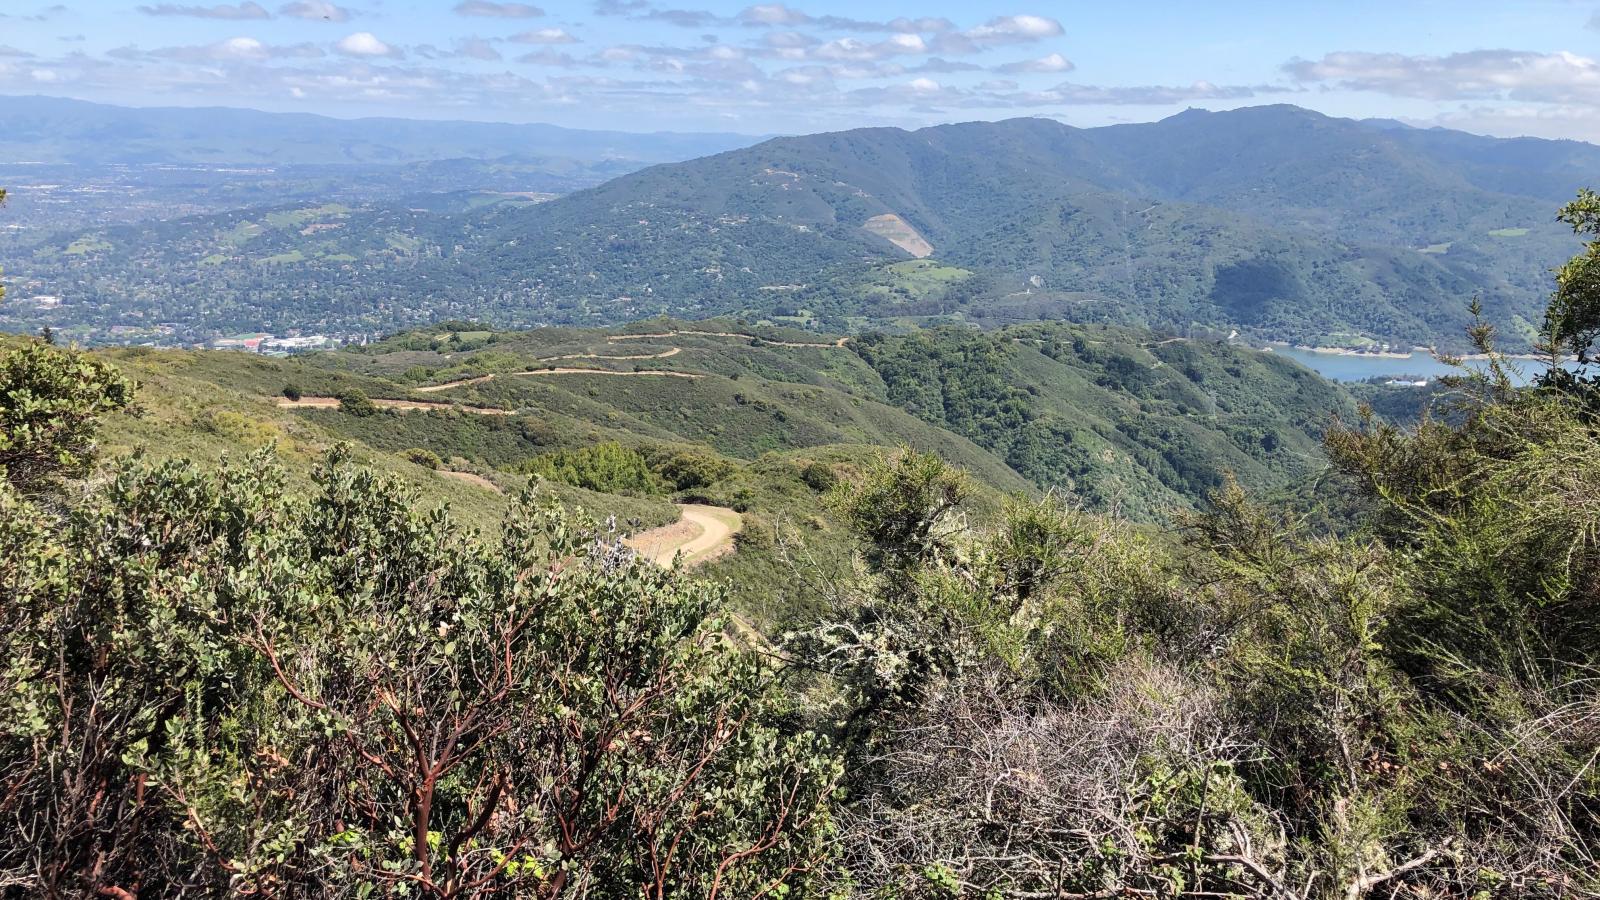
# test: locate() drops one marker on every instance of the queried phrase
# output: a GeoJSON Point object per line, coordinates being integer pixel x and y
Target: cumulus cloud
{"type": "Point", "coordinates": [487, 9]}
{"type": "Point", "coordinates": [1516, 75]}
{"type": "Point", "coordinates": [316, 11]}
{"type": "Point", "coordinates": [778, 15]}
{"type": "Point", "coordinates": [553, 58]}
{"type": "Point", "coordinates": [1054, 62]}
{"type": "Point", "coordinates": [1014, 30]}
{"type": "Point", "coordinates": [248, 10]}
{"type": "Point", "coordinates": [923, 25]}
{"type": "Point", "coordinates": [768, 15]}
{"type": "Point", "coordinates": [1514, 120]}
{"type": "Point", "coordinates": [545, 36]}
{"type": "Point", "coordinates": [14, 53]}
{"type": "Point", "coordinates": [683, 18]}
{"type": "Point", "coordinates": [1147, 95]}
{"type": "Point", "coordinates": [936, 64]}
{"type": "Point", "coordinates": [365, 44]}
{"type": "Point", "coordinates": [465, 48]}
{"type": "Point", "coordinates": [773, 14]}
{"type": "Point", "coordinates": [861, 51]}
{"type": "Point", "coordinates": [234, 50]}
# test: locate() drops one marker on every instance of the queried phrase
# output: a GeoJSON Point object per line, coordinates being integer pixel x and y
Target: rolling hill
{"type": "Point", "coordinates": [627, 421]}
{"type": "Point", "coordinates": [1277, 222]}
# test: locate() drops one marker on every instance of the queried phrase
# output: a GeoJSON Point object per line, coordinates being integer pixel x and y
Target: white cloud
{"type": "Point", "coordinates": [232, 50]}
{"type": "Point", "coordinates": [1512, 120]}
{"type": "Point", "coordinates": [924, 25]}
{"type": "Point", "coordinates": [789, 40]}
{"type": "Point", "coordinates": [545, 36]}
{"type": "Point", "coordinates": [924, 85]}
{"type": "Point", "coordinates": [490, 10]}
{"type": "Point", "coordinates": [1054, 62]}
{"type": "Point", "coordinates": [364, 43]}
{"type": "Point", "coordinates": [465, 48]}
{"type": "Point", "coordinates": [315, 10]}
{"type": "Point", "coordinates": [247, 10]}
{"type": "Point", "coordinates": [241, 48]}
{"type": "Point", "coordinates": [550, 58]}
{"type": "Point", "coordinates": [861, 51]}
{"type": "Point", "coordinates": [1516, 75]}
{"type": "Point", "coordinates": [1141, 95]}
{"type": "Point", "coordinates": [773, 14]}
{"type": "Point", "coordinates": [1014, 30]}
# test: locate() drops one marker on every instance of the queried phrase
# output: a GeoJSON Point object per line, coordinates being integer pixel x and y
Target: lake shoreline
{"type": "Point", "coordinates": [1413, 353]}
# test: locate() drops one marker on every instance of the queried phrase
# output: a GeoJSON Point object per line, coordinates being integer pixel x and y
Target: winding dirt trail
{"type": "Point", "coordinates": [671, 351]}
{"type": "Point", "coordinates": [613, 338]}
{"type": "Point", "coordinates": [452, 384]}
{"type": "Point", "coordinates": [563, 370]}
{"type": "Point", "coordinates": [702, 534]}
{"type": "Point", "coordinates": [576, 370]}
{"type": "Point", "coordinates": [333, 403]}
{"type": "Point", "coordinates": [728, 334]}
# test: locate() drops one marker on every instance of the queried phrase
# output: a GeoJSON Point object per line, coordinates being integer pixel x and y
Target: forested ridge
{"type": "Point", "coordinates": [1277, 222]}
{"type": "Point", "coordinates": [289, 674]}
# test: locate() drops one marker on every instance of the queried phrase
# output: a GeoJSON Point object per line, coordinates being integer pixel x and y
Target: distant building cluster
{"type": "Point", "coordinates": [261, 342]}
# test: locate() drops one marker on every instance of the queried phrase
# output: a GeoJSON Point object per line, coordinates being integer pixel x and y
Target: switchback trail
{"type": "Point", "coordinates": [671, 351]}
{"type": "Point", "coordinates": [333, 403]}
{"type": "Point", "coordinates": [728, 334]}
{"type": "Point", "coordinates": [702, 534]}
{"type": "Point", "coordinates": [565, 370]}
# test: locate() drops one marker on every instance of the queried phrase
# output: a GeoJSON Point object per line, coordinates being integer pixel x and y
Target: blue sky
{"type": "Point", "coordinates": [1507, 68]}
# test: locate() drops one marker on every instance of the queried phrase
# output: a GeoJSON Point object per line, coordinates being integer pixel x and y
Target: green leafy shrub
{"type": "Point", "coordinates": [212, 686]}
{"type": "Point", "coordinates": [686, 470]}
{"type": "Point", "coordinates": [49, 401]}
{"type": "Point", "coordinates": [423, 457]}
{"type": "Point", "coordinates": [355, 402]}
{"type": "Point", "coordinates": [819, 476]}
{"type": "Point", "coordinates": [607, 467]}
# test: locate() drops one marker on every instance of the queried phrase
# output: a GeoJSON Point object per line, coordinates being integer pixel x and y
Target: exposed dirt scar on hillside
{"type": "Point", "coordinates": [333, 403]}
{"type": "Point", "coordinates": [702, 534]}
{"type": "Point", "coordinates": [470, 478]}
{"type": "Point", "coordinates": [899, 232]}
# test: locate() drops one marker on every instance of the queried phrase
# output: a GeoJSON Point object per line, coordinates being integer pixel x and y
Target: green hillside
{"type": "Point", "coordinates": [1117, 418]}
{"type": "Point", "coordinates": [1274, 221]}
{"type": "Point", "coordinates": [624, 422]}
{"type": "Point", "coordinates": [206, 406]}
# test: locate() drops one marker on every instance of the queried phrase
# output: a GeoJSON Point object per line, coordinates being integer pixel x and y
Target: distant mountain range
{"type": "Point", "coordinates": [1277, 222]}
{"type": "Point", "coordinates": [57, 130]}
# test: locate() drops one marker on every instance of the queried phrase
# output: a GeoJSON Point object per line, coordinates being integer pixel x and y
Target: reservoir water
{"type": "Point", "coordinates": [1419, 365]}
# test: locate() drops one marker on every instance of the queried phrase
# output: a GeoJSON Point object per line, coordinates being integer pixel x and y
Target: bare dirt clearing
{"type": "Point", "coordinates": [703, 533]}
{"type": "Point", "coordinates": [470, 478]}
{"type": "Point", "coordinates": [899, 232]}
